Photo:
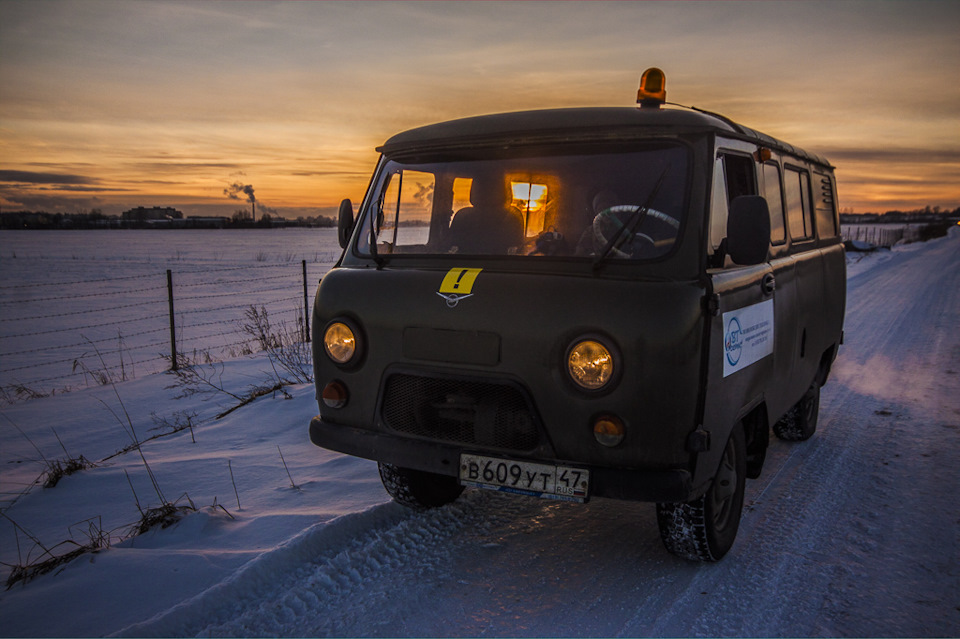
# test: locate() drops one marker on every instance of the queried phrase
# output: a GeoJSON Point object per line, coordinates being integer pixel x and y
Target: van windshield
{"type": "Point", "coordinates": [589, 202]}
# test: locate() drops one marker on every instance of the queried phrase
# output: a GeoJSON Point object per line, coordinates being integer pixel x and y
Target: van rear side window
{"type": "Point", "coordinates": [797, 190]}
{"type": "Point", "coordinates": [771, 190]}
{"type": "Point", "coordinates": [826, 208]}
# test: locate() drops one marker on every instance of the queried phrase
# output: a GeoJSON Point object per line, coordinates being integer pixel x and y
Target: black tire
{"type": "Point", "coordinates": [800, 422]}
{"type": "Point", "coordinates": [418, 489]}
{"type": "Point", "coordinates": [704, 529]}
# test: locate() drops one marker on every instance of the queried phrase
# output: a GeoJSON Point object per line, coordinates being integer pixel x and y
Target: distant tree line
{"type": "Point", "coordinates": [917, 216]}
{"type": "Point", "coordinates": [95, 219]}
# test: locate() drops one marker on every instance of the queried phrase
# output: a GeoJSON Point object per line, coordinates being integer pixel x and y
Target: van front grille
{"type": "Point", "coordinates": [486, 414]}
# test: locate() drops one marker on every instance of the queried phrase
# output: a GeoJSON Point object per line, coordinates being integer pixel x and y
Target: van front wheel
{"type": "Point", "coordinates": [800, 422]}
{"type": "Point", "coordinates": [704, 529]}
{"type": "Point", "coordinates": [418, 489]}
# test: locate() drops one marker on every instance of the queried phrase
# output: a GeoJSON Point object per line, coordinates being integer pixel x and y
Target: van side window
{"type": "Point", "coordinates": [797, 190]}
{"type": "Point", "coordinates": [718, 211]}
{"type": "Point", "coordinates": [825, 203]}
{"type": "Point", "coordinates": [739, 175]}
{"type": "Point", "coordinates": [733, 176]}
{"type": "Point", "coordinates": [771, 191]}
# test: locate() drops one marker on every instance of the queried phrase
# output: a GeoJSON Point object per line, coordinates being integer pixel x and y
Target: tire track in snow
{"type": "Point", "coordinates": [830, 542]}
{"type": "Point", "coordinates": [330, 579]}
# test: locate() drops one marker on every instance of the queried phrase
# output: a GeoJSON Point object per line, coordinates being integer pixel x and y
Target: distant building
{"type": "Point", "coordinates": [154, 213]}
{"type": "Point", "coordinates": [196, 222]}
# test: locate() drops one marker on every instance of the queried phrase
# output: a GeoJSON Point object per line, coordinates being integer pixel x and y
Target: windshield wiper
{"type": "Point", "coordinates": [636, 218]}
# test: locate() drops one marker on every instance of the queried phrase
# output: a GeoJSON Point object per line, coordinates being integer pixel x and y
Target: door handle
{"type": "Point", "coordinates": [769, 284]}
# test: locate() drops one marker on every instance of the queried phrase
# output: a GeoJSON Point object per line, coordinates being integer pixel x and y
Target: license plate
{"type": "Point", "coordinates": [563, 483]}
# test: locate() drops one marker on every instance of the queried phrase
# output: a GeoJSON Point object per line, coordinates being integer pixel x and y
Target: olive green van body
{"type": "Point", "coordinates": [467, 352]}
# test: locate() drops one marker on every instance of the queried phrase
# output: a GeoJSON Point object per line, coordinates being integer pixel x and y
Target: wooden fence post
{"type": "Point", "coordinates": [306, 305]}
{"type": "Point", "coordinates": [173, 331]}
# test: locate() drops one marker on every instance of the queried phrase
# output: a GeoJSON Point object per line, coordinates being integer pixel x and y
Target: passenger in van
{"type": "Point", "coordinates": [491, 226]}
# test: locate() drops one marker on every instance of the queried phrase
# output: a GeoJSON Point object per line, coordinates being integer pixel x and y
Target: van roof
{"type": "Point", "coordinates": [578, 124]}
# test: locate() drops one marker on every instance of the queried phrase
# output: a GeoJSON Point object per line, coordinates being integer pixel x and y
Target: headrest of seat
{"type": "Point", "coordinates": [488, 191]}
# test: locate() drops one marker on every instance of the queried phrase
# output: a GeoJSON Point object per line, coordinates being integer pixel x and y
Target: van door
{"type": "Point", "coordinates": [742, 312]}
{"type": "Point", "coordinates": [810, 333]}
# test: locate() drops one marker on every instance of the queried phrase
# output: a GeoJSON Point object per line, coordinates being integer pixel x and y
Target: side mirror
{"type": "Point", "coordinates": [748, 230]}
{"type": "Point", "coordinates": [345, 222]}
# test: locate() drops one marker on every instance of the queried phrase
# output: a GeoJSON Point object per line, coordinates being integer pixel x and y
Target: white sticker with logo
{"type": "Point", "coordinates": [747, 336]}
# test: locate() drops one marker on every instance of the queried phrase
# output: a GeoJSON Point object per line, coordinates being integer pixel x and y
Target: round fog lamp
{"type": "Point", "coordinates": [609, 430]}
{"type": "Point", "coordinates": [339, 342]}
{"type": "Point", "coordinates": [590, 364]}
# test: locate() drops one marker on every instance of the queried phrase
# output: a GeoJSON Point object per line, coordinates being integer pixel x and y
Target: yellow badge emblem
{"type": "Point", "coordinates": [458, 284]}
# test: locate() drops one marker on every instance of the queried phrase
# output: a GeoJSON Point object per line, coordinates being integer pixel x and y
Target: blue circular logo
{"type": "Point", "coordinates": [733, 341]}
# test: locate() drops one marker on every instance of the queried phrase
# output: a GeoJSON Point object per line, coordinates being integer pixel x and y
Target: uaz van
{"type": "Point", "coordinates": [579, 303]}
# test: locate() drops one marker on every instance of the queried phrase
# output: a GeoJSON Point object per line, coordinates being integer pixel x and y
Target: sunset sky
{"type": "Point", "coordinates": [111, 105]}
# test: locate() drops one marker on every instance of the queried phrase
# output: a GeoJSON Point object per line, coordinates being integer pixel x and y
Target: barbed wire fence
{"type": "Point", "coordinates": [59, 336]}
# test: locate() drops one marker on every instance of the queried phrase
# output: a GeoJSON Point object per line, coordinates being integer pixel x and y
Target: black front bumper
{"type": "Point", "coordinates": [443, 458]}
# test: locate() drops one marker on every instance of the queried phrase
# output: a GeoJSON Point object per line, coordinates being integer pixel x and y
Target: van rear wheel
{"type": "Point", "coordinates": [418, 489]}
{"type": "Point", "coordinates": [704, 529]}
{"type": "Point", "coordinates": [800, 422]}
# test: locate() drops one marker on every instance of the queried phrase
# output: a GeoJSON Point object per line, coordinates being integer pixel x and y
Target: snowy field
{"type": "Point", "coordinates": [855, 532]}
{"type": "Point", "coordinates": [75, 304]}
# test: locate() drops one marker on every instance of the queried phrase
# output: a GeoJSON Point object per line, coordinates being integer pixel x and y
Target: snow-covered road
{"type": "Point", "coordinates": [855, 532]}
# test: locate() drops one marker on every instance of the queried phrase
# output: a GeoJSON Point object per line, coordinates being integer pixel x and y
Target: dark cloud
{"type": "Point", "coordinates": [364, 173]}
{"type": "Point", "coordinates": [160, 165]}
{"type": "Point", "coordinates": [59, 187]}
{"type": "Point", "coordinates": [49, 203]}
{"type": "Point", "coordinates": [913, 155]}
{"type": "Point", "coordinates": [33, 177]}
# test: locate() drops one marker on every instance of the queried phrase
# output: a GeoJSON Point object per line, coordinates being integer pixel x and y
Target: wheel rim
{"type": "Point", "coordinates": [724, 488]}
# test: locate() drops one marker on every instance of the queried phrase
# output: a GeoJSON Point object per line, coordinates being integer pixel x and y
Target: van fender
{"type": "Point", "coordinates": [826, 364]}
{"type": "Point", "coordinates": [753, 418]}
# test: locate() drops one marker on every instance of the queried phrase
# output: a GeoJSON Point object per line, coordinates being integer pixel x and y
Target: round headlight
{"type": "Point", "coordinates": [590, 364]}
{"type": "Point", "coordinates": [339, 342]}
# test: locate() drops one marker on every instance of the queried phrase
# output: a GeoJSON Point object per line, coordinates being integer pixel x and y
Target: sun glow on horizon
{"type": "Point", "coordinates": [113, 105]}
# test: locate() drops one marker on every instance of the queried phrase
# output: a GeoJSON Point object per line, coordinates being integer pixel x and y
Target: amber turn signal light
{"type": "Point", "coordinates": [609, 430]}
{"type": "Point", "coordinates": [335, 394]}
